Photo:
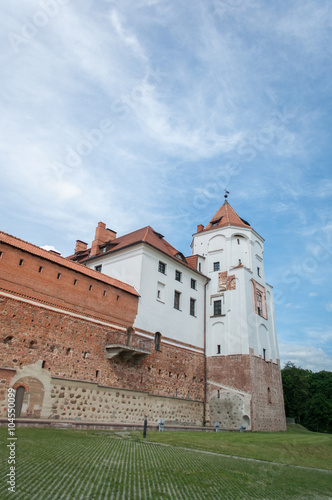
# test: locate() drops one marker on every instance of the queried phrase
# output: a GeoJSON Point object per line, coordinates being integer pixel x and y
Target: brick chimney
{"type": "Point", "coordinates": [80, 246]}
{"type": "Point", "coordinates": [200, 228]}
{"type": "Point", "coordinates": [102, 236]}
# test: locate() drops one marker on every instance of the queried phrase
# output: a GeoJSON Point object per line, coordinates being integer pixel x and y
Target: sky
{"type": "Point", "coordinates": [142, 113]}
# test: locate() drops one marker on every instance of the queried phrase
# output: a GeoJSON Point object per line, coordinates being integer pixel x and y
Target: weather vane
{"type": "Point", "coordinates": [226, 194]}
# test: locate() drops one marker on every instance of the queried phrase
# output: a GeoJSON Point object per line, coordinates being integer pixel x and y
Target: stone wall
{"type": "Point", "coordinates": [250, 392]}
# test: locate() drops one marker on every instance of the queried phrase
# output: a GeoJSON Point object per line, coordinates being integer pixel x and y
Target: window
{"type": "Point", "coordinates": [98, 268]}
{"type": "Point", "coordinates": [157, 337]}
{"type": "Point", "coordinates": [162, 267]}
{"type": "Point", "coordinates": [192, 307]}
{"type": "Point", "coordinates": [177, 296]}
{"type": "Point", "coordinates": [259, 300]}
{"type": "Point", "coordinates": [200, 267]}
{"type": "Point", "coordinates": [0, 255]}
{"type": "Point", "coordinates": [40, 269]}
{"type": "Point", "coordinates": [177, 275]}
{"type": "Point", "coordinates": [21, 262]}
{"type": "Point", "coordinates": [59, 276]}
{"type": "Point", "coordinates": [104, 293]}
{"type": "Point", "coordinates": [75, 282]}
{"type": "Point", "coordinates": [264, 354]}
{"type": "Point", "coordinates": [161, 291]}
{"type": "Point", "coordinates": [218, 349]}
{"type": "Point", "coordinates": [193, 284]}
{"type": "Point", "coordinates": [216, 266]}
{"type": "Point", "coordinates": [217, 308]}
{"type": "Point", "coordinates": [258, 271]}
{"type": "Point", "coordinates": [90, 288]}
{"type": "Point", "coordinates": [238, 240]}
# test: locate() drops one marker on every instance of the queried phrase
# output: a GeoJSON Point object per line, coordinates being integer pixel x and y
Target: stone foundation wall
{"type": "Point", "coordinates": [245, 390]}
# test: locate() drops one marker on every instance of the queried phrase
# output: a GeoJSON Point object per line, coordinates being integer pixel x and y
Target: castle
{"type": "Point", "coordinates": [130, 327]}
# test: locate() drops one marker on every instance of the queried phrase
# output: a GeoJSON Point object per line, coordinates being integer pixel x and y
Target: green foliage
{"type": "Point", "coordinates": [308, 397]}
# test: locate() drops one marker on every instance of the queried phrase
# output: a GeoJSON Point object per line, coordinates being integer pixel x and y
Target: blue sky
{"type": "Point", "coordinates": [142, 113]}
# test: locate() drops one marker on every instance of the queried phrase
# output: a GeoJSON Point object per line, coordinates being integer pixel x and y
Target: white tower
{"type": "Point", "coordinates": [243, 370]}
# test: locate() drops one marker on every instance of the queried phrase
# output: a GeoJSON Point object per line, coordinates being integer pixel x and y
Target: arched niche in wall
{"type": "Point", "coordinates": [217, 243]}
{"type": "Point", "coordinates": [264, 344]}
{"type": "Point", "coordinates": [258, 249]}
{"type": "Point", "coordinates": [218, 339]}
{"type": "Point", "coordinates": [240, 250]}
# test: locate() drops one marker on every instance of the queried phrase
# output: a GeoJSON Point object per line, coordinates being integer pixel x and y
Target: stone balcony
{"type": "Point", "coordinates": [127, 346]}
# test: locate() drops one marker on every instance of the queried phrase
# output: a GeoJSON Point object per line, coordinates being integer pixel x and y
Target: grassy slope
{"type": "Point", "coordinates": [297, 446]}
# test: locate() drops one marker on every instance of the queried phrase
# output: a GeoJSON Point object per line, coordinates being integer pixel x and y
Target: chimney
{"type": "Point", "coordinates": [200, 228]}
{"type": "Point", "coordinates": [102, 236]}
{"type": "Point", "coordinates": [80, 246]}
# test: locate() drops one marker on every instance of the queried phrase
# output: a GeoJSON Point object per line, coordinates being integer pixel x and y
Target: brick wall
{"type": "Point", "coordinates": [74, 348]}
{"type": "Point", "coordinates": [51, 283]}
{"type": "Point", "coordinates": [251, 376]}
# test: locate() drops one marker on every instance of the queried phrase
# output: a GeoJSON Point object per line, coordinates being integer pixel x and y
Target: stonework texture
{"type": "Point", "coordinates": [243, 378]}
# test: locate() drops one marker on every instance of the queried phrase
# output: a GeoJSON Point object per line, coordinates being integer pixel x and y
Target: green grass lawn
{"type": "Point", "coordinates": [297, 446]}
{"type": "Point", "coordinates": [71, 464]}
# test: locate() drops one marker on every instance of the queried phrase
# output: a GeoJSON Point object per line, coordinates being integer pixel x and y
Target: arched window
{"type": "Point", "coordinates": [157, 338]}
{"type": "Point", "coordinates": [19, 400]}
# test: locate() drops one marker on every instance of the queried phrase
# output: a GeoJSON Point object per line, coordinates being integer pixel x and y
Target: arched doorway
{"type": "Point", "coordinates": [19, 400]}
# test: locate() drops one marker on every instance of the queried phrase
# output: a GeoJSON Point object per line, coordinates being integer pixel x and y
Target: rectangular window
{"type": "Point", "coordinates": [216, 266]}
{"type": "Point", "coordinates": [259, 299]}
{"type": "Point", "coordinates": [98, 268]}
{"type": "Point", "coordinates": [177, 296]}
{"type": "Point", "coordinates": [193, 284]}
{"type": "Point", "coordinates": [41, 269]}
{"type": "Point", "coordinates": [21, 262]}
{"type": "Point", "coordinates": [258, 271]}
{"type": "Point", "coordinates": [192, 307]}
{"type": "Point", "coordinates": [0, 255]}
{"type": "Point", "coordinates": [200, 267]}
{"type": "Point", "coordinates": [217, 308]}
{"type": "Point", "coordinates": [218, 349]}
{"type": "Point", "coordinates": [162, 267]}
{"type": "Point", "coordinates": [90, 288]}
{"type": "Point", "coordinates": [177, 275]}
{"type": "Point", "coordinates": [75, 282]}
{"type": "Point", "coordinates": [264, 354]}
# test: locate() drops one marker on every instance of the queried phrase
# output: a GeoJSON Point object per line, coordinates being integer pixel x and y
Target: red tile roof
{"type": "Point", "coordinates": [62, 261]}
{"type": "Point", "coordinates": [145, 235]}
{"type": "Point", "coordinates": [192, 261]}
{"type": "Point", "coordinates": [226, 216]}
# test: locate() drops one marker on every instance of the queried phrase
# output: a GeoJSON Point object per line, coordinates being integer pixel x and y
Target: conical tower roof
{"type": "Point", "coordinates": [226, 216]}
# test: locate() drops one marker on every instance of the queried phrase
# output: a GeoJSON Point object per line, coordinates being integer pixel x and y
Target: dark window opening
{"type": "Point", "coordinates": [0, 255]}
{"type": "Point", "coordinates": [21, 262]}
{"type": "Point", "coordinates": [40, 269]}
{"type": "Point", "coordinates": [43, 364]}
{"type": "Point", "coordinates": [157, 338]}
{"type": "Point", "coordinates": [104, 293]}
{"type": "Point", "coordinates": [258, 272]}
{"type": "Point", "coordinates": [98, 268]}
{"type": "Point", "coordinates": [97, 373]}
{"type": "Point", "coordinates": [68, 350]}
{"type": "Point", "coordinates": [264, 354]}
{"type": "Point", "coordinates": [218, 349]}
{"type": "Point", "coordinates": [200, 267]}
{"type": "Point", "coordinates": [177, 275]}
{"type": "Point", "coordinates": [177, 300]}
{"type": "Point", "coordinates": [216, 266]}
{"type": "Point", "coordinates": [162, 267]}
{"type": "Point", "coordinates": [193, 284]}
{"type": "Point", "coordinates": [192, 307]}
{"type": "Point", "coordinates": [75, 282]}
{"type": "Point", "coordinates": [59, 276]}
{"type": "Point", "coordinates": [259, 299]}
{"type": "Point", "coordinates": [90, 288]}
{"type": "Point", "coordinates": [217, 308]}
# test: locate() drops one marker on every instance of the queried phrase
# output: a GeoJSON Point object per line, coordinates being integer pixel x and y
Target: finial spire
{"type": "Point", "coordinates": [226, 195]}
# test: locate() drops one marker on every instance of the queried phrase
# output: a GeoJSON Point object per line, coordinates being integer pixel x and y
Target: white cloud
{"type": "Point", "coordinates": [305, 356]}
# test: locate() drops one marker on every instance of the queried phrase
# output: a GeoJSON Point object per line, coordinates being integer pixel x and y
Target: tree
{"type": "Point", "coordinates": [308, 397]}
